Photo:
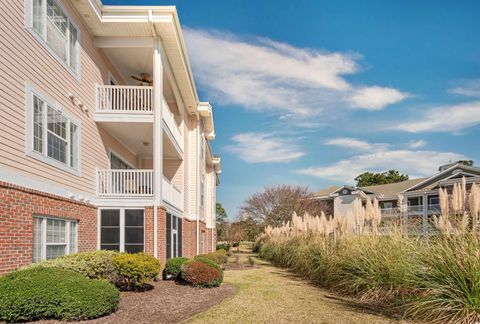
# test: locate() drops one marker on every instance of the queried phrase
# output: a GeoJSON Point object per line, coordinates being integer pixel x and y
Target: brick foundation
{"type": "Point", "coordinates": [18, 205]}
{"type": "Point", "coordinates": [189, 237]}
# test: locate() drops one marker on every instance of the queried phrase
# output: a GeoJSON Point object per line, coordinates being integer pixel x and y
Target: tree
{"type": "Point", "coordinates": [222, 224]}
{"type": "Point", "coordinates": [221, 213]}
{"type": "Point", "coordinates": [371, 179]}
{"type": "Point", "coordinates": [466, 162]}
{"type": "Point", "coordinates": [276, 204]}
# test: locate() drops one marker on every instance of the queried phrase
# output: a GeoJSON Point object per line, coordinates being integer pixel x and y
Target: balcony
{"type": "Point", "coordinates": [124, 103]}
{"type": "Point", "coordinates": [135, 184]}
{"type": "Point", "coordinates": [417, 210]}
{"type": "Point", "coordinates": [171, 194]}
{"type": "Point", "coordinates": [124, 183]}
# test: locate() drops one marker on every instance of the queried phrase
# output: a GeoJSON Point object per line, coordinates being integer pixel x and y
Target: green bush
{"type": "Point", "coordinates": [201, 274]}
{"type": "Point", "coordinates": [207, 261]}
{"type": "Point", "coordinates": [219, 257]}
{"type": "Point", "coordinates": [223, 246]}
{"type": "Point", "coordinates": [135, 270]}
{"type": "Point", "coordinates": [173, 267]}
{"type": "Point", "coordinates": [94, 265]}
{"type": "Point", "coordinates": [54, 293]}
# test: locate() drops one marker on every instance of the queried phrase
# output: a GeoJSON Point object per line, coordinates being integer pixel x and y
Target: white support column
{"type": "Point", "coordinates": [157, 137]}
{"type": "Point", "coordinates": [424, 214]}
{"type": "Point", "coordinates": [405, 214]}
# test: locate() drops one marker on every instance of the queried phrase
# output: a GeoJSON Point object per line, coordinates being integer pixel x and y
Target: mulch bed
{"type": "Point", "coordinates": [167, 302]}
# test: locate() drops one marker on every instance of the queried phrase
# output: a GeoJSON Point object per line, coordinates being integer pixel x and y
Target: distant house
{"type": "Point", "coordinates": [420, 196]}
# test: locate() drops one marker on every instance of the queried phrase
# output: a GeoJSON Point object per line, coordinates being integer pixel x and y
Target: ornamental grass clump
{"type": "Point", "coordinates": [448, 281]}
{"type": "Point", "coordinates": [429, 278]}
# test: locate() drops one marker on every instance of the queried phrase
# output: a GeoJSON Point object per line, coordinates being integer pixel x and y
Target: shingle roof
{"type": "Point", "coordinates": [393, 188]}
{"type": "Point", "coordinates": [325, 192]}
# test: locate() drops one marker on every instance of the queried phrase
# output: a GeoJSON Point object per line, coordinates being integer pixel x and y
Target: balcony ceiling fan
{"type": "Point", "coordinates": [144, 77]}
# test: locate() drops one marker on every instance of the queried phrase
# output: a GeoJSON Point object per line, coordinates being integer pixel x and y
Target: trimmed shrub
{"type": "Point", "coordinates": [54, 293]}
{"type": "Point", "coordinates": [94, 265]}
{"type": "Point", "coordinates": [219, 257]}
{"type": "Point", "coordinates": [135, 270]}
{"type": "Point", "coordinates": [207, 261]}
{"type": "Point", "coordinates": [173, 267]}
{"type": "Point", "coordinates": [200, 274]}
{"type": "Point", "coordinates": [223, 246]}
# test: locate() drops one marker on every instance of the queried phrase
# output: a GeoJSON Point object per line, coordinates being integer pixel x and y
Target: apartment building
{"type": "Point", "coordinates": [104, 143]}
{"type": "Point", "coordinates": [420, 197]}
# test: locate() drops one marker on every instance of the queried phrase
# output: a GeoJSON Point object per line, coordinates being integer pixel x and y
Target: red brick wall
{"type": "Point", "coordinates": [210, 232]}
{"type": "Point", "coordinates": [161, 232]}
{"type": "Point", "coordinates": [189, 237]}
{"type": "Point", "coordinates": [18, 205]}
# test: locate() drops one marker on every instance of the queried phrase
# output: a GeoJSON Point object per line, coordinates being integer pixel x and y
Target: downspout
{"type": "Point", "coordinates": [198, 185]}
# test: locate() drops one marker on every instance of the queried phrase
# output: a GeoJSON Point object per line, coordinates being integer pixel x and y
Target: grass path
{"type": "Point", "coordinates": [272, 295]}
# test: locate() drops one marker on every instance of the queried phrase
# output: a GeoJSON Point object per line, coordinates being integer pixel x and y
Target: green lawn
{"type": "Point", "coordinates": [272, 295]}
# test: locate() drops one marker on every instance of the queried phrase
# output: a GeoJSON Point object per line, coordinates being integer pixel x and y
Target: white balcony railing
{"type": "Point", "coordinates": [171, 194]}
{"type": "Point", "coordinates": [124, 99]}
{"type": "Point", "coordinates": [169, 119]}
{"type": "Point", "coordinates": [124, 183]}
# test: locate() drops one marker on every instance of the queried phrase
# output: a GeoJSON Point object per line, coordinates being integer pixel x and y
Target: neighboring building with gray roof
{"type": "Point", "coordinates": [420, 196]}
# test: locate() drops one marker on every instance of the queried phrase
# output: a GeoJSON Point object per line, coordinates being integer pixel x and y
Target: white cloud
{"type": "Point", "coordinates": [376, 98]}
{"type": "Point", "coordinates": [264, 75]}
{"type": "Point", "coordinates": [469, 88]}
{"type": "Point", "coordinates": [356, 144]}
{"type": "Point", "coordinates": [417, 144]}
{"type": "Point", "coordinates": [444, 119]}
{"type": "Point", "coordinates": [416, 163]}
{"type": "Point", "coordinates": [262, 148]}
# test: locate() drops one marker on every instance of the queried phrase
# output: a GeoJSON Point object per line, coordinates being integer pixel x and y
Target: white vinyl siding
{"type": "Point", "coordinates": [52, 134]}
{"type": "Point", "coordinates": [53, 237]}
{"type": "Point", "coordinates": [55, 29]}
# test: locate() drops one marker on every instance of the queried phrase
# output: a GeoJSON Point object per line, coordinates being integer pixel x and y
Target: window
{"type": "Point", "coordinates": [202, 242]}
{"type": "Point", "coordinates": [55, 29]}
{"type": "Point", "coordinates": [174, 236]}
{"type": "Point", "coordinates": [118, 163]}
{"type": "Point", "coordinates": [433, 200]}
{"type": "Point", "coordinates": [53, 134]}
{"type": "Point", "coordinates": [202, 192]}
{"type": "Point", "coordinates": [122, 230]}
{"type": "Point", "coordinates": [53, 237]}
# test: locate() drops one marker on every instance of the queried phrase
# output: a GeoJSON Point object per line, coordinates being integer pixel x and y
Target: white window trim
{"type": "Point", "coordinates": [122, 226]}
{"type": "Point", "coordinates": [41, 40]}
{"type": "Point", "coordinates": [44, 243]}
{"type": "Point", "coordinates": [30, 91]}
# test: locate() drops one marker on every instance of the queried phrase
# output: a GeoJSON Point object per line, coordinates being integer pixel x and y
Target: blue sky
{"type": "Point", "coordinates": [314, 92]}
